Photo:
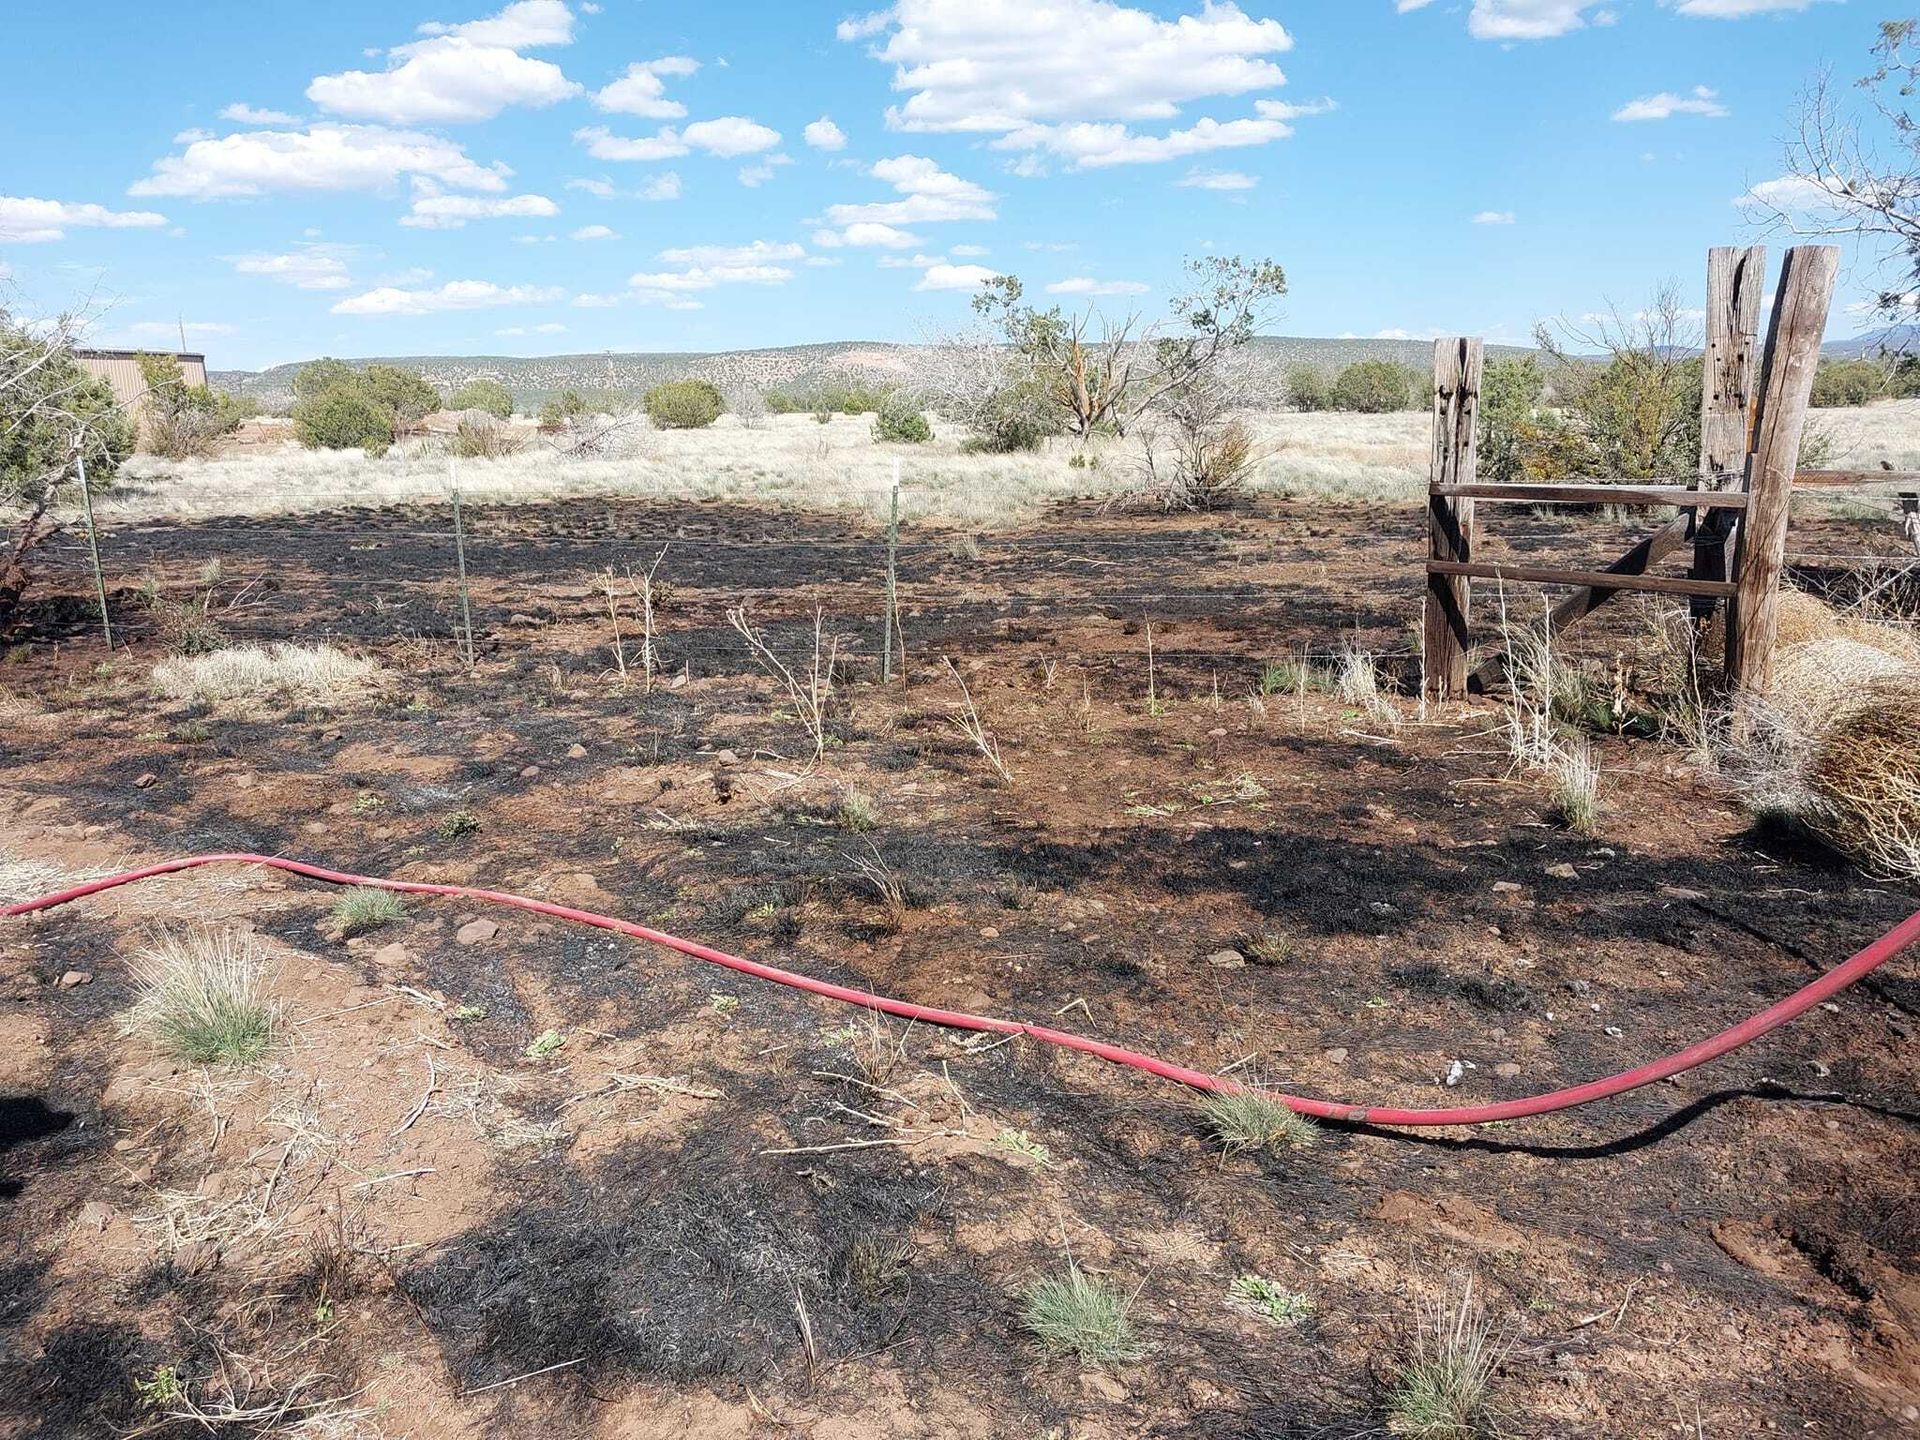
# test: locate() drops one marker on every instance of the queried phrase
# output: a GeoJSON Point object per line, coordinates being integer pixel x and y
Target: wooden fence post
{"type": "Point", "coordinates": [1786, 384]}
{"type": "Point", "coordinates": [1456, 414]}
{"type": "Point", "coordinates": [1735, 280]}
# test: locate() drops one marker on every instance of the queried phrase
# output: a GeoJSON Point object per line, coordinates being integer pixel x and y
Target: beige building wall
{"type": "Point", "coordinates": [121, 370]}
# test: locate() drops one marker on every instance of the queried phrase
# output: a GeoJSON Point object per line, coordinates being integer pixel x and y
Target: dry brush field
{"type": "Point", "coordinates": [479, 1172]}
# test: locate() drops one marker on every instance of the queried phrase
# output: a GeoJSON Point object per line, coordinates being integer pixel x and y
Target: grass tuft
{"type": "Point", "coordinates": [363, 910]}
{"type": "Point", "coordinates": [1250, 1120]}
{"type": "Point", "coordinates": [1442, 1394]}
{"type": "Point", "coordinates": [310, 674]}
{"type": "Point", "coordinates": [200, 996]}
{"type": "Point", "coordinates": [1073, 1314]}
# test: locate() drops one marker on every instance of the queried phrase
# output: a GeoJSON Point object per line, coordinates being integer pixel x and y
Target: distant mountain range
{"type": "Point", "coordinates": [536, 379]}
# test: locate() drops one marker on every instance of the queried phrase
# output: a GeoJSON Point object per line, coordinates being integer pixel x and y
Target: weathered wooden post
{"type": "Point", "coordinates": [1735, 279]}
{"type": "Point", "coordinates": [1457, 365]}
{"type": "Point", "coordinates": [1786, 385]}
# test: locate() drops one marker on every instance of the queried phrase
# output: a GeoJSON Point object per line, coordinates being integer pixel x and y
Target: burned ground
{"type": "Point", "coordinates": [666, 1207]}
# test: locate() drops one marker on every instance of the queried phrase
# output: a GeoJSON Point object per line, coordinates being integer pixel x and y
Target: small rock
{"type": "Point", "coordinates": [1338, 1054]}
{"type": "Point", "coordinates": [390, 957]}
{"type": "Point", "coordinates": [988, 932]}
{"type": "Point", "coordinates": [196, 1257]}
{"type": "Point", "coordinates": [94, 1215]}
{"type": "Point", "coordinates": [476, 931]}
{"type": "Point", "coordinates": [333, 737]}
{"type": "Point", "coordinates": [1456, 1072]}
{"type": "Point", "coordinates": [1227, 959]}
{"type": "Point", "coordinates": [1615, 1031]}
{"type": "Point", "coordinates": [146, 781]}
{"type": "Point", "coordinates": [727, 757]}
{"type": "Point", "coordinates": [1507, 887]}
{"type": "Point", "coordinates": [529, 772]}
{"type": "Point", "coordinates": [1563, 871]}
{"type": "Point", "coordinates": [76, 977]}
{"type": "Point", "coordinates": [1680, 892]}
{"type": "Point", "coordinates": [1219, 732]}
{"type": "Point", "coordinates": [1578, 987]}
{"type": "Point", "coordinates": [576, 751]}
{"type": "Point", "coordinates": [1507, 1070]}
{"type": "Point", "coordinates": [1104, 1386]}
{"type": "Point", "coordinates": [521, 618]}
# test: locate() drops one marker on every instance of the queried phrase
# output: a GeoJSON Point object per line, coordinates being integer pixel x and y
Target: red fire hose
{"type": "Point", "coordinates": [1831, 983]}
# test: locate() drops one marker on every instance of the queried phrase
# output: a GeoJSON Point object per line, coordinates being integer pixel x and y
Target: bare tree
{"type": "Point", "coordinates": [1857, 174]}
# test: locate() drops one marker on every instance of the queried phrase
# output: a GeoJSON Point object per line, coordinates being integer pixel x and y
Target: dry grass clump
{"type": "Point", "coordinates": [1865, 772]}
{"type": "Point", "coordinates": [202, 996]}
{"type": "Point", "coordinates": [1442, 1394]}
{"type": "Point", "coordinates": [311, 674]}
{"type": "Point", "coordinates": [1251, 1120]}
{"type": "Point", "coordinates": [363, 910]}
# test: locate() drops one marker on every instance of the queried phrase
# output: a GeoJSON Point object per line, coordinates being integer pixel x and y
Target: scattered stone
{"type": "Point", "coordinates": [727, 757]}
{"type": "Point", "coordinates": [1227, 959]}
{"type": "Point", "coordinates": [1578, 987]}
{"type": "Point", "coordinates": [1338, 1054]}
{"type": "Point", "coordinates": [1104, 1386]}
{"type": "Point", "coordinates": [75, 977]}
{"type": "Point", "coordinates": [1680, 892]}
{"type": "Point", "coordinates": [196, 1257]}
{"type": "Point", "coordinates": [1217, 733]}
{"type": "Point", "coordinates": [391, 956]}
{"type": "Point", "coordinates": [988, 932]}
{"type": "Point", "coordinates": [95, 1214]}
{"type": "Point", "coordinates": [146, 781]}
{"type": "Point", "coordinates": [1507, 887]}
{"type": "Point", "coordinates": [475, 932]}
{"type": "Point", "coordinates": [521, 618]}
{"type": "Point", "coordinates": [576, 751]}
{"type": "Point", "coordinates": [1563, 871]}
{"type": "Point", "coordinates": [1456, 1072]}
{"type": "Point", "coordinates": [529, 772]}
{"type": "Point", "coordinates": [1507, 1070]}
{"type": "Point", "coordinates": [1615, 1031]}
{"type": "Point", "coordinates": [333, 737]}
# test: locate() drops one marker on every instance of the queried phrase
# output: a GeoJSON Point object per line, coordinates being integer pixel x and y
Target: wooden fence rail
{"type": "Point", "coordinates": [1753, 412]}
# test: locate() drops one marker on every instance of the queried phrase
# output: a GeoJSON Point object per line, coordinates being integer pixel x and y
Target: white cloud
{"type": "Point", "coordinates": [909, 262]}
{"type": "Point", "coordinates": [1218, 180]}
{"type": "Point", "coordinates": [1792, 195]}
{"type": "Point", "coordinates": [603, 144]}
{"type": "Point", "coordinates": [321, 157]}
{"type": "Point", "coordinates": [867, 234]}
{"type": "Point", "coordinates": [823, 134]}
{"type": "Point", "coordinates": [1528, 19]}
{"type": "Point", "coordinates": [1090, 146]}
{"type": "Point", "coordinates": [702, 267]}
{"type": "Point", "coordinates": [552, 327]}
{"type": "Point", "coordinates": [449, 80]}
{"type": "Point", "coordinates": [595, 232]}
{"type": "Point", "coordinates": [1666, 105]}
{"type": "Point", "coordinates": [521, 26]}
{"type": "Point", "coordinates": [1735, 9]}
{"type": "Point", "coordinates": [969, 250]}
{"type": "Point", "coordinates": [1087, 285]}
{"type": "Point", "coordinates": [248, 115]}
{"type": "Point", "coordinates": [601, 188]}
{"type": "Point", "coordinates": [311, 267]}
{"type": "Point", "coordinates": [25, 220]}
{"type": "Point", "coordinates": [1494, 217]}
{"type": "Point", "coordinates": [454, 295]}
{"type": "Point", "coordinates": [432, 211]}
{"type": "Point", "coordinates": [661, 187]}
{"type": "Point", "coordinates": [730, 136]}
{"type": "Point", "coordinates": [997, 65]}
{"type": "Point", "coordinates": [642, 92]}
{"type": "Point", "coordinates": [931, 194]}
{"type": "Point", "coordinates": [1403, 6]}
{"type": "Point", "coordinates": [954, 277]}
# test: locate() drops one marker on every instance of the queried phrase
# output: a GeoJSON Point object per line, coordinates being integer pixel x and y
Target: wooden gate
{"type": "Point", "coordinates": [1752, 420]}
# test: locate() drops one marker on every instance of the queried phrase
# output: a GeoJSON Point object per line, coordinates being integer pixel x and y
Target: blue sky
{"type": "Point", "coordinates": [556, 176]}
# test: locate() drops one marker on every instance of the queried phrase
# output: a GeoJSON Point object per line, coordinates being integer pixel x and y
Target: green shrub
{"type": "Point", "coordinates": [1848, 382]}
{"type": "Point", "coordinates": [1016, 417]}
{"type": "Point", "coordinates": [1373, 387]}
{"type": "Point", "coordinates": [901, 422]}
{"type": "Point", "coordinates": [320, 376]}
{"type": "Point", "coordinates": [182, 421]}
{"type": "Point", "coordinates": [484, 394]}
{"type": "Point", "coordinates": [1306, 387]}
{"type": "Point", "coordinates": [485, 438]}
{"type": "Point", "coordinates": [569, 405]}
{"type": "Point", "coordinates": [684, 404]}
{"type": "Point", "coordinates": [405, 393]}
{"type": "Point", "coordinates": [829, 398]}
{"type": "Point", "coordinates": [1510, 421]}
{"type": "Point", "coordinates": [344, 417]}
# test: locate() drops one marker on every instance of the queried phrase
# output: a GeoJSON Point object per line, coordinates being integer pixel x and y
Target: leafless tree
{"type": "Point", "coordinates": [1853, 169]}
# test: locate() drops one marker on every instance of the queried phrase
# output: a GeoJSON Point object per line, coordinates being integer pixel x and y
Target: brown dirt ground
{"type": "Point", "coordinates": [1731, 1253]}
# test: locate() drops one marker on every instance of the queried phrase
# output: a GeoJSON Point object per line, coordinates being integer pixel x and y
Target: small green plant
{"type": "Point", "coordinates": [1268, 948]}
{"type": "Point", "coordinates": [545, 1044]}
{"type": "Point", "coordinates": [1073, 1314]}
{"type": "Point", "coordinates": [683, 404]}
{"type": "Point", "coordinates": [1251, 1120]}
{"type": "Point", "coordinates": [1576, 786]}
{"type": "Point", "coordinates": [856, 812]}
{"type": "Point", "coordinates": [1265, 1298]}
{"type": "Point", "coordinates": [192, 732]}
{"type": "Point", "coordinates": [363, 910]}
{"type": "Point", "coordinates": [459, 823]}
{"type": "Point", "coordinates": [1018, 1142]}
{"type": "Point", "coordinates": [1442, 1394]}
{"type": "Point", "coordinates": [366, 802]}
{"type": "Point", "coordinates": [876, 1266]}
{"type": "Point", "coordinates": [467, 1014]}
{"type": "Point", "coordinates": [901, 423]}
{"type": "Point", "coordinates": [723, 1004]}
{"type": "Point", "coordinates": [160, 1389]}
{"type": "Point", "coordinates": [200, 996]}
